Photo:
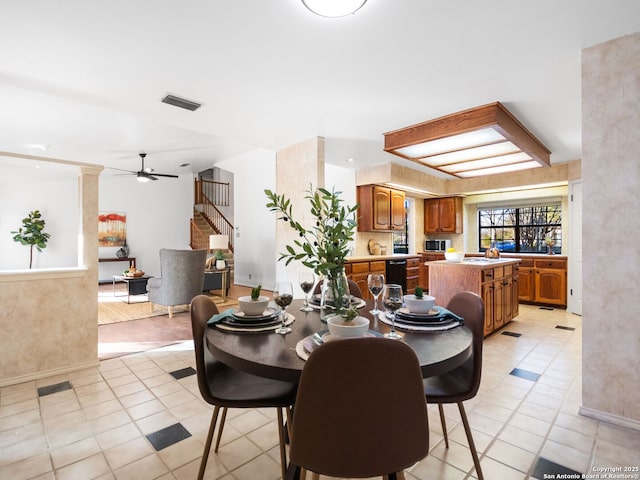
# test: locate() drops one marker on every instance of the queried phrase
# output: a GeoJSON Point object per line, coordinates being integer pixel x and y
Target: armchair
{"type": "Point", "coordinates": [181, 278]}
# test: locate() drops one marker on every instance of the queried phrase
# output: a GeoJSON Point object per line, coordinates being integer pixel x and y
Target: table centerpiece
{"type": "Point", "coordinates": [324, 246]}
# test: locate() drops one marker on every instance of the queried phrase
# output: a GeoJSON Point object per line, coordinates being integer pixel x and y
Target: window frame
{"type": "Point", "coordinates": [550, 210]}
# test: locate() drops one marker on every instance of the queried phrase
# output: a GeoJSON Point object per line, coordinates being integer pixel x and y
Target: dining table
{"type": "Point", "coordinates": [270, 355]}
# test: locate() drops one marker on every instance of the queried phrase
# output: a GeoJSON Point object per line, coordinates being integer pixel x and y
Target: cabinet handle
{"type": "Point", "coordinates": [489, 275]}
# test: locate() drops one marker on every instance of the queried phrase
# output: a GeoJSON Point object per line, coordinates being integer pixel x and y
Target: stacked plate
{"type": "Point", "coordinates": [238, 321]}
{"type": "Point", "coordinates": [437, 318]}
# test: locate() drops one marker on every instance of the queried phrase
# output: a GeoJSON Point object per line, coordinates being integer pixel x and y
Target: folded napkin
{"type": "Point", "coordinates": [220, 316]}
{"type": "Point", "coordinates": [444, 313]}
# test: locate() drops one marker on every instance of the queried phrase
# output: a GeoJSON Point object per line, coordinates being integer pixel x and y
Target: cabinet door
{"type": "Point", "coordinates": [381, 206]}
{"type": "Point", "coordinates": [431, 216]}
{"type": "Point", "coordinates": [507, 303]}
{"type": "Point", "coordinates": [397, 210]}
{"type": "Point", "coordinates": [525, 284]}
{"type": "Point", "coordinates": [551, 286]}
{"type": "Point", "coordinates": [498, 305]}
{"type": "Point", "coordinates": [515, 301]}
{"type": "Point", "coordinates": [448, 214]}
{"type": "Point", "coordinates": [487, 298]}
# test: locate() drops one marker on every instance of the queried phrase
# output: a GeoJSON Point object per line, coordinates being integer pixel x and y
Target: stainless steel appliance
{"type": "Point", "coordinates": [437, 245]}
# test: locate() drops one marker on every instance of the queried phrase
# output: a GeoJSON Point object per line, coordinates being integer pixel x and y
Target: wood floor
{"type": "Point", "coordinates": [123, 338]}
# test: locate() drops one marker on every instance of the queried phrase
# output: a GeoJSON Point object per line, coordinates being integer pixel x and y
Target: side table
{"type": "Point", "coordinates": [135, 285]}
{"type": "Point", "coordinates": [217, 280]}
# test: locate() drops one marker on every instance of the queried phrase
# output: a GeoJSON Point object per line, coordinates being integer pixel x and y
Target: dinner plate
{"type": "Point", "coordinates": [252, 328]}
{"type": "Point", "coordinates": [435, 311]}
{"type": "Point", "coordinates": [423, 326]}
{"type": "Point", "coordinates": [240, 316]}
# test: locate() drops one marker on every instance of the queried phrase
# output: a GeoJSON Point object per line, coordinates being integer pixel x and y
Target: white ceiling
{"type": "Point", "coordinates": [85, 78]}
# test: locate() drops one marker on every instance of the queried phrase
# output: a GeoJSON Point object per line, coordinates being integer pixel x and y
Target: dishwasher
{"type": "Point", "coordinates": [397, 273]}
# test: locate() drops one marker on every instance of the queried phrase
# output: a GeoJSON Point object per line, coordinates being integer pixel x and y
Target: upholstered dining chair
{"type": "Point", "coordinates": [463, 382]}
{"type": "Point", "coordinates": [360, 410]}
{"type": "Point", "coordinates": [181, 278]}
{"type": "Point", "coordinates": [225, 387]}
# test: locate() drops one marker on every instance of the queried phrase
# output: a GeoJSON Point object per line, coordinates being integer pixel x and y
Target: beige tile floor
{"type": "Point", "coordinates": [97, 428]}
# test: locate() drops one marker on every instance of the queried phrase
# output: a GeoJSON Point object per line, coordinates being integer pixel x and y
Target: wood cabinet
{"type": "Point", "coordinates": [413, 275]}
{"type": "Point", "coordinates": [544, 281]}
{"type": "Point", "coordinates": [359, 271]}
{"type": "Point", "coordinates": [424, 269]}
{"type": "Point", "coordinates": [443, 215]}
{"type": "Point", "coordinates": [381, 209]}
{"type": "Point", "coordinates": [495, 282]}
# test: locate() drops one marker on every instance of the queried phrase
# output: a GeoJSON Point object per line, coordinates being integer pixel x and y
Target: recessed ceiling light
{"type": "Point", "coordinates": [334, 8]}
{"type": "Point", "coordinates": [351, 160]}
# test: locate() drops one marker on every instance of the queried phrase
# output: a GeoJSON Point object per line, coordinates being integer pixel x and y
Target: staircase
{"type": "Point", "coordinates": [209, 220]}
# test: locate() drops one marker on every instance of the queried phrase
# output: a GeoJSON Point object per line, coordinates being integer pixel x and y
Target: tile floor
{"type": "Point", "coordinates": [140, 417]}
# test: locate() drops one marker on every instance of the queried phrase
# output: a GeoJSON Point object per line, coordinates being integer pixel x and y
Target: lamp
{"type": "Point", "coordinates": [334, 8]}
{"type": "Point", "coordinates": [480, 141]}
{"type": "Point", "coordinates": [219, 243]}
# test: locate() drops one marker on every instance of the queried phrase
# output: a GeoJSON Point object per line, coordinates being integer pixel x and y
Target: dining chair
{"type": "Point", "coordinates": [463, 382]}
{"type": "Point", "coordinates": [354, 289]}
{"type": "Point", "coordinates": [360, 410]}
{"type": "Point", "coordinates": [225, 387]}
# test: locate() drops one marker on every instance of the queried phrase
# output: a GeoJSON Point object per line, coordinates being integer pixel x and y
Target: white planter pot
{"type": "Point", "coordinates": [220, 264]}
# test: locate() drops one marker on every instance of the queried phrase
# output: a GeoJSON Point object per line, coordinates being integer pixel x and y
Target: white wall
{"type": "Point", "coordinates": [158, 215]}
{"type": "Point", "coordinates": [58, 204]}
{"type": "Point", "coordinates": [255, 251]}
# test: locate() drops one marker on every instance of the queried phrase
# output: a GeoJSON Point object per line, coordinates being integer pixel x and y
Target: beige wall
{"type": "Point", "coordinates": [297, 168]}
{"type": "Point", "coordinates": [611, 230]}
{"type": "Point", "coordinates": [49, 317]}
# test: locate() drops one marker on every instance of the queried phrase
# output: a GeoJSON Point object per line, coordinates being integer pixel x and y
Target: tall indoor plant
{"type": "Point", "coordinates": [32, 233]}
{"type": "Point", "coordinates": [324, 246]}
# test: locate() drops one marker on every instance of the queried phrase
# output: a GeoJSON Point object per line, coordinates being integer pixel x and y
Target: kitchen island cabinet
{"type": "Point", "coordinates": [543, 280]}
{"type": "Point", "coordinates": [496, 281]}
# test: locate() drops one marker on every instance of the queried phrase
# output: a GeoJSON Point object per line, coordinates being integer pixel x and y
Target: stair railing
{"type": "Point", "coordinates": [216, 192]}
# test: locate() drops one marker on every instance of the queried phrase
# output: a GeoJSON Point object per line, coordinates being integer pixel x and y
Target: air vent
{"type": "Point", "coordinates": [181, 102]}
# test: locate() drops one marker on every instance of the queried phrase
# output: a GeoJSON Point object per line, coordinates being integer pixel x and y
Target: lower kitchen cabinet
{"type": "Point", "coordinates": [424, 269]}
{"type": "Point", "coordinates": [413, 275]}
{"type": "Point", "coordinates": [359, 271]}
{"type": "Point", "coordinates": [544, 281]}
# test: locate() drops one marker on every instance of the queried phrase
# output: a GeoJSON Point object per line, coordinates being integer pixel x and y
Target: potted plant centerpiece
{"type": "Point", "coordinates": [254, 304]}
{"type": "Point", "coordinates": [419, 302]}
{"type": "Point", "coordinates": [324, 246]}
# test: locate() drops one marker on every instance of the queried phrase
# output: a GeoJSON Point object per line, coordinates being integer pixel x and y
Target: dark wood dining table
{"type": "Point", "coordinates": [270, 355]}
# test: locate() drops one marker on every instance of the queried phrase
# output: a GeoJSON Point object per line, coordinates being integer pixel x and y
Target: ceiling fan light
{"type": "Point", "coordinates": [333, 8]}
{"type": "Point", "coordinates": [142, 178]}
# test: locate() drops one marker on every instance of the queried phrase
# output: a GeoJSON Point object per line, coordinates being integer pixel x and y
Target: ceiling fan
{"type": "Point", "coordinates": [145, 174]}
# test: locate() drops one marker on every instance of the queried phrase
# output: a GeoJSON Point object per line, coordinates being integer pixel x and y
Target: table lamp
{"type": "Point", "coordinates": [219, 243]}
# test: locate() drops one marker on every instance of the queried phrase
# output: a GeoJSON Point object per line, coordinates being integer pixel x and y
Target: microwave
{"type": "Point", "coordinates": [437, 245]}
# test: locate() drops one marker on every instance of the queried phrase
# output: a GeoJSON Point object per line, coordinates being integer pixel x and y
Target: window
{"type": "Point", "coordinates": [521, 229]}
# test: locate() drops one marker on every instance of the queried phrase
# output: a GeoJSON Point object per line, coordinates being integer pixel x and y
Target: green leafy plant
{"type": "Point", "coordinates": [32, 233]}
{"type": "Point", "coordinates": [255, 292]}
{"type": "Point", "coordinates": [351, 314]}
{"type": "Point", "coordinates": [325, 245]}
{"type": "Point", "coordinates": [419, 292]}
{"type": "Point", "coordinates": [220, 255]}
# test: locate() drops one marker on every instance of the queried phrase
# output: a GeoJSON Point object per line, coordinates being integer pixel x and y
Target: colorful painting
{"type": "Point", "coordinates": [112, 229]}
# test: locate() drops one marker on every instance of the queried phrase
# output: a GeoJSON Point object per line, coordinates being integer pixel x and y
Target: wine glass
{"type": "Point", "coordinates": [392, 301]}
{"type": "Point", "coordinates": [375, 282]}
{"type": "Point", "coordinates": [307, 280]}
{"type": "Point", "coordinates": [283, 296]}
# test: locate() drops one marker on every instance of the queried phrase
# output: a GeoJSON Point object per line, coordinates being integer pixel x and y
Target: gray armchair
{"type": "Point", "coordinates": [181, 278]}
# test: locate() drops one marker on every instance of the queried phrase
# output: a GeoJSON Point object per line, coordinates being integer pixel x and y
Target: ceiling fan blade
{"type": "Point", "coordinates": [165, 175]}
{"type": "Point", "coordinates": [122, 170]}
{"type": "Point", "coordinates": [151, 177]}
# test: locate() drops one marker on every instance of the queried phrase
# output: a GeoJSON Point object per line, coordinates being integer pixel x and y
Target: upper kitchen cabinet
{"type": "Point", "coordinates": [381, 209]}
{"type": "Point", "coordinates": [443, 215]}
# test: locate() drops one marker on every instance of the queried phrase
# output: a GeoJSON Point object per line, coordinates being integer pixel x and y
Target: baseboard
{"type": "Point", "coordinates": [610, 418]}
{"type": "Point", "coordinates": [47, 373]}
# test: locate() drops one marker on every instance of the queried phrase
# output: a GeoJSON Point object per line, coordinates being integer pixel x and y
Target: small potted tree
{"type": "Point", "coordinates": [32, 233]}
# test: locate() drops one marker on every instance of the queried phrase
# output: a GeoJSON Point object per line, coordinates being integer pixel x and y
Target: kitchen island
{"type": "Point", "coordinates": [495, 280]}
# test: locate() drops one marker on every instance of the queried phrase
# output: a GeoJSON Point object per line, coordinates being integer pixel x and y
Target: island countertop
{"type": "Point", "coordinates": [478, 262]}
